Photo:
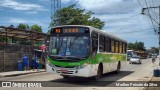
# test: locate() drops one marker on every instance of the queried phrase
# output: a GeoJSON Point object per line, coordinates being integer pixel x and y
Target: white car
{"type": "Point", "coordinates": [135, 59]}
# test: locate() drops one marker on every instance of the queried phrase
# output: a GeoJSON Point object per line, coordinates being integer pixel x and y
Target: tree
{"type": "Point", "coordinates": [131, 46]}
{"type": "Point", "coordinates": [2, 39]}
{"type": "Point", "coordinates": [75, 16]}
{"type": "Point", "coordinates": [137, 46]}
{"type": "Point", "coordinates": [155, 49]}
{"type": "Point", "coordinates": [35, 27]}
{"type": "Point", "coordinates": [23, 26]}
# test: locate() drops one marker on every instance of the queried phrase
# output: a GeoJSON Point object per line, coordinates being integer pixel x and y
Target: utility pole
{"type": "Point", "coordinates": [159, 35]}
{"type": "Point", "coordinates": [143, 9]}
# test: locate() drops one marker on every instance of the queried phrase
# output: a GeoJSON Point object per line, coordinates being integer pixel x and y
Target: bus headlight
{"type": "Point", "coordinates": [82, 66]}
{"type": "Point", "coordinates": [51, 65]}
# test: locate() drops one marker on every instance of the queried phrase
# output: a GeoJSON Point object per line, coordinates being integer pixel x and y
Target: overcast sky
{"type": "Point", "coordinates": [121, 17]}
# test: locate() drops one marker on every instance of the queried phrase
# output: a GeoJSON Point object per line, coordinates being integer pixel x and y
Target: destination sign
{"type": "Point", "coordinates": [70, 30]}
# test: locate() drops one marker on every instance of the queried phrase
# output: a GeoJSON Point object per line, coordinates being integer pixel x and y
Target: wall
{"type": "Point", "coordinates": [10, 54]}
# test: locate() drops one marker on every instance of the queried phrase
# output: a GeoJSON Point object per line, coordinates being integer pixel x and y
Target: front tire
{"type": "Point", "coordinates": [99, 73]}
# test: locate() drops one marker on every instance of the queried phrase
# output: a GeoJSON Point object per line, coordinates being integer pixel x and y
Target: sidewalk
{"type": "Point", "coordinates": [154, 78]}
{"type": "Point", "coordinates": [17, 73]}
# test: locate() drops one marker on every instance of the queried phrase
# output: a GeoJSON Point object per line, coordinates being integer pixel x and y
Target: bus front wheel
{"type": "Point", "coordinates": [99, 72]}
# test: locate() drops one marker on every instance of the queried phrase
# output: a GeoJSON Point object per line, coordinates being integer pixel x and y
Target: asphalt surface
{"type": "Point", "coordinates": [58, 81]}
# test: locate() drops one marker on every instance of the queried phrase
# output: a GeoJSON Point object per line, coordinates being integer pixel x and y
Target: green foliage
{"type": "Point", "coordinates": [20, 41]}
{"type": "Point", "coordinates": [23, 26]}
{"type": "Point", "coordinates": [139, 46]}
{"type": "Point", "coordinates": [2, 39]}
{"type": "Point", "coordinates": [155, 49]}
{"type": "Point", "coordinates": [75, 16]}
{"type": "Point", "coordinates": [35, 27]}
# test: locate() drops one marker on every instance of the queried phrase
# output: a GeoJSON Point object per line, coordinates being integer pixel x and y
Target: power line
{"type": "Point", "coordinates": [151, 18]}
{"type": "Point", "coordinates": [154, 10]}
{"type": "Point", "coordinates": [148, 13]}
{"type": "Point", "coordinates": [140, 3]}
{"type": "Point", "coordinates": [151, 25]}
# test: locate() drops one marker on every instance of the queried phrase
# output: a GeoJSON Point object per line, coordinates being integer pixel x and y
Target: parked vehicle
{"type": "Point", "coordinates": [130, 53]}
{"type": "Point", "coordinates": [154, 55]}
{"type": "Point", "coordinates": [150, 55]}
{"type": "Point", "coordinates": [135, 59]}
{"type": "Point", "coordinates": [143, 55]}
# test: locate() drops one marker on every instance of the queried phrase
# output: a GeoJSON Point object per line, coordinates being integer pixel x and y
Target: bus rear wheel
{"type": "Point", "coordinates": [118, 68]}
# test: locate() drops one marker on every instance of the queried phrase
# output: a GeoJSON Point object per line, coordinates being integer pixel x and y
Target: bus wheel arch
{"type": "Point", "coordinates": [99, 71]}
{"type": "Point", "coordinates": [101, 67]}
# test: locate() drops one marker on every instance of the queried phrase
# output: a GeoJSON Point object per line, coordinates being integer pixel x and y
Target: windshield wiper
{"type": "Point", "coordinates": [56, 56]}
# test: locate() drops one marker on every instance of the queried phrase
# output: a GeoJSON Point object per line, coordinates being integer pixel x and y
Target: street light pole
{"type": "Point", "coordinates": [159, 36]}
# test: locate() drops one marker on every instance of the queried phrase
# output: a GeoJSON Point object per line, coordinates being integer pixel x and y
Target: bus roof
{"type": "Point", "coordinates": [95, 29]}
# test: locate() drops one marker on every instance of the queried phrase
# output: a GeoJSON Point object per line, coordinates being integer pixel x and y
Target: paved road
{"type": "Point", "coordinates": [57, 80]}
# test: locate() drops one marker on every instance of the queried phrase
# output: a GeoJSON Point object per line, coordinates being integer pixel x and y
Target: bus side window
{"type": "Point", "coordinates": [101, 43]}
{"type": "Point", "coordinates": [125, 47]}
{"type": "Point", "coordinates": [120, 47]}
{"type": "Point", "coordinates": [117, 46]}
{"type": "Point", "coordinates": [107, 44]}
{"type": "Point", "coordinates": [112, 44]}
{"type": "Point", "coordinates": [94, 45]}
{"type": "Point", "coordinates": [94, 42]}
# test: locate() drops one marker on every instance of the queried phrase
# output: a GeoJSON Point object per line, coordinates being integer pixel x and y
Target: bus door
{"type": "Point", "coordinates": [94, 39]}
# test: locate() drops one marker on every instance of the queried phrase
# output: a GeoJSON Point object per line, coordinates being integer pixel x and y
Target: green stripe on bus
{"type": "Point", "coordinates": [63, 64]}
{"type": "Point", "coordinates": [105, 58]}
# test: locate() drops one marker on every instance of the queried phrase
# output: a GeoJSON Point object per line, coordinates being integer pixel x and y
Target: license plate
{"type": "Point", "coordinates": [63, 70]}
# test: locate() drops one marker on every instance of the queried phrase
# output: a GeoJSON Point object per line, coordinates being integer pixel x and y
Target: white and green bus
{"type": "Point", "coordinates": [84, 51]}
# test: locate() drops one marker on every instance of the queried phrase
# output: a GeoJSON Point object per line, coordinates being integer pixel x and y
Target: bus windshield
{"type": "Point", "coordinates": [69, 46]}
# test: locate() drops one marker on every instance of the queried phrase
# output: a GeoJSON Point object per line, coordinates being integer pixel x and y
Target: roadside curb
{"type": "Point", "coordinates": [18, 74]}
{"type": "Point", "coordinates": [151, 88]}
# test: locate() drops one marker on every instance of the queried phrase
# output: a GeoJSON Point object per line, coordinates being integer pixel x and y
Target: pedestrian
{"type": "Point", "coordinates": [35, 62]}
{"type": "Point", "coordinates": [25, 62]}
{"type": "Point", "coordinates": [153, 59]}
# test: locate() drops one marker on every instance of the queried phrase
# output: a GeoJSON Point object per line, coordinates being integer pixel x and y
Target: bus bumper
{"type": "Point", "coordinates": [82, 72]}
